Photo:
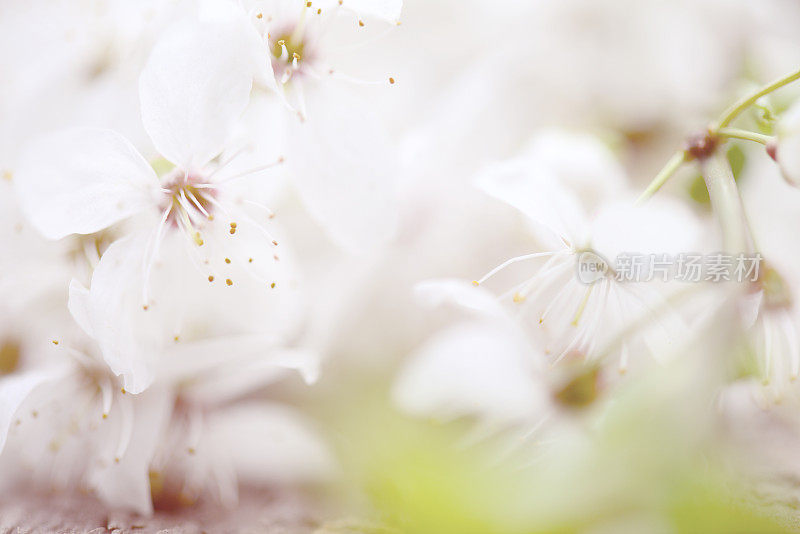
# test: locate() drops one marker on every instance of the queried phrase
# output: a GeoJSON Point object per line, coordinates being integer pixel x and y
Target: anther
{"type": "Point", "coordinates": [476, 283]}
{"type": "Point", "coordinates": [391, 80]}
{"type": "Point", "coordinates": [229, 282]}
{"type": "Point", "coordinates": [227, 260]}
{"type": "Point", "coordinates": [260, 16]}
{"type": "Point", "coordinates": [210, 278]}
{"type": "Point", "coordinates": [55, 342]}
{"type": "Point", "coordinates": [272, 285]}
{"type": "Point", "coordinates": [361, 23]}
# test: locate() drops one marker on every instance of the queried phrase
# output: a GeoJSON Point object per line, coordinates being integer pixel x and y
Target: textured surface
{"type": "Point", "coordinates": [258, 512]}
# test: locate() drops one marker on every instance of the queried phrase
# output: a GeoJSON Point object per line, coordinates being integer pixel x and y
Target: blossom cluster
{"type": "Point", "coordinates": [234, 229]}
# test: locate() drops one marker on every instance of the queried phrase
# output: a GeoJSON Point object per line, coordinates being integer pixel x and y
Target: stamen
{"type": "Point", "coordinates": [582, 306]}
{"type": "Point", "coordinates": [151, 257]}
{"type": "Point", "coordinates": [105, 389]}
{"type": "Point", "coordinates": [510, 262]}
{"type": "Point", "coordinates": [790, 332]}
{"type": "Point", "coordinates": [767, 352]}
{"type": "Point", "coordinates": [126, 431]}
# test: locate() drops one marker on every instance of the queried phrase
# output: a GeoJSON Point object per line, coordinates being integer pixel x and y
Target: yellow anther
{"type": "Point", "coordinates": [229, 282]}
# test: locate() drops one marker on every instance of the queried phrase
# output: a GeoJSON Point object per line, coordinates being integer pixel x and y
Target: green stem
{"type": "Point", "coordinates": [669, 169]}
{"type": "Point", "coordinates": [736, 109]}
{"type": "Point", "coordinates": [736, 133]}
{"type": "Point", "coordinates": [727, 203]}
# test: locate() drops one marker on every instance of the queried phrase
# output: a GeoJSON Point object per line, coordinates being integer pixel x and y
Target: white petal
{"type": "Point", "coordinates": [269, 443]}
{"type": "Point", "coordinates": [14, 390]}
{"type": "Point", "coordinates": [229, 366]}
{"type": "Point", "coordinates": [662, 226]}
{"type": "Point", "coordinates": [535, 191]}
{"type": "Point", "coordinates": [388, 10]}
{"type": "Point", "coordinates": [194, 88]}
{"type": "Point", "coordinates": [106, 311]}
{"type": "Point", "coordinates": [443, 291]}
{"type": "Point", "coordinates": [345, 170]}
{"type": "Point", "coordinates": [473, 368]}
{"type": "Point", "coordinates": [582, 164]}
{"type": "Point", "coordinates": [126, 484]}
{"type": "Point", "coordinates": [82, 180]}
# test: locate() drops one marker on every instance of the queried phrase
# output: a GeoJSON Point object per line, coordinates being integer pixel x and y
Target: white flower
{"type": "Point", "coordinates": [340, 156]}
{"type": "Point", "coordinates": [576, 319]}
{"type": "Point", "coordinates": [209, 452]}
{"type": "Point", "coordinates": [769, 305]}
{"type": "Point", "coordinates": [481, 365]}
{"type": "Point", "coordinates": [193, 89]}
{"type": "Point", "coordinates": [69, 424]}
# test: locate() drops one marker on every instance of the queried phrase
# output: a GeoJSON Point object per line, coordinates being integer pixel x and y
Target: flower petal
{"type": "Point", "coordinates": [194, 88]}
{"type": "Point", "coordinates": [269, 443]}
{"type": "Point", "coordinates": [533, 190]}
{"type": "Point", "coordinates": [343, 167]}
{"type": "Point", "coordinates": [387, 10]}
{"type": "Point", "coordinates": [473, 368]}
{"type": "Point", "coordinates": [105, 311]}
{"type": "Point", "coordinates": [14, 390]}
{"type": "Point", "coordinates": [126, 484]}
{"type": "Point", "coordinates": [82, 180]}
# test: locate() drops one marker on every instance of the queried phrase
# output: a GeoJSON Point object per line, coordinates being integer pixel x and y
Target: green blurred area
{"type": "Point", "coordinates": [650, 465]}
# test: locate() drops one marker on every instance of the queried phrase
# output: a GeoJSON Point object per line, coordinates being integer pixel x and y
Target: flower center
{"type": "Point", "coordinates": [190, 202]}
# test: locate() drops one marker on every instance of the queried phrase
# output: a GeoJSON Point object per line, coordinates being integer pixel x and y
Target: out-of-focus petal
{"type": "Point", "coordinates": [388, 10]}
{"type": "Point", "coordinates": [268, 443]}
{"type": "Point", "coordinates": [14, 390]}
{"type": "Point", "coordinates": [125, 484]}
{"type": "Point", "coordinates": [345, 170]}
{"type": "Point", "coordinates": [662, 226]}
{"type": "Point", "coordinates": [83, 180]}
{"type": "Point", "coordinates": [463, 294]}
{"type": "Point", "coordinates": [474, 368]}
{"type": "Point", "coordinates": [194, 88]}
